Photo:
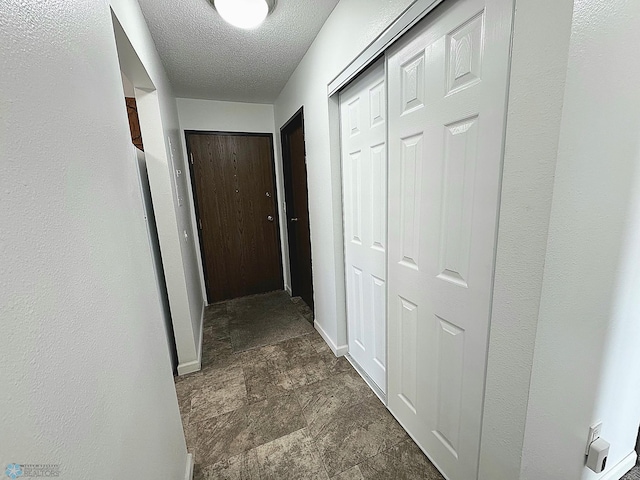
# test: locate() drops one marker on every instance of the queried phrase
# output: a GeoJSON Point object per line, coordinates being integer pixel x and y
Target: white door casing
{"type": "Point", "coordinates": [364, 169]}
{"type": "Point", "coordinates": [447, 81]}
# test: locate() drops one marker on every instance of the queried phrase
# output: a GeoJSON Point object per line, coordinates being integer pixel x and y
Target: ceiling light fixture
{"type": "Point", "coordinates": [246, 14]}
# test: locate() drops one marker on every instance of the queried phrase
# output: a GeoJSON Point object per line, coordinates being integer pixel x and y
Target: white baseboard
{"type": "Point", "coordinates": [617, 472]}
{"type": "Point", "coordinates": [188, 472]}
{"type": "Point", "coordinates": [189, 367]}
{"type": "Point", "coordinates": [338, 351]}
{"type": "Point", "coordinates": [195, 365]}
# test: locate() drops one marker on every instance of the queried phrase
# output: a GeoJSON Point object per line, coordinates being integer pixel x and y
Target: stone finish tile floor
{"type": "Point", "coordinates": [273, 402]}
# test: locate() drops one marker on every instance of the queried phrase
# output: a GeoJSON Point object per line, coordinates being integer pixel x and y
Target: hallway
{"type": "Point", "coordinates": [272, 401]}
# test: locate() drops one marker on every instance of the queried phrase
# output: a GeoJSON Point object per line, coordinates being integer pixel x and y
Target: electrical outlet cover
{"type": "Point", "coordinates": [594, 434]}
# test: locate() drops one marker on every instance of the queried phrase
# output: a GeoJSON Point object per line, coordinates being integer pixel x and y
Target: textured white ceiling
{"type": "Point", "coordinates": [207, 58]}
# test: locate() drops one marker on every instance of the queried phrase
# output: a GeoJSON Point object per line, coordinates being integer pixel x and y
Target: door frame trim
{"type": "Point", "coordinates": [194, 193]}
{"type": "Point", "coordinates": [407, 19]}
{"type": "Point", "coordinates": [299, 112]}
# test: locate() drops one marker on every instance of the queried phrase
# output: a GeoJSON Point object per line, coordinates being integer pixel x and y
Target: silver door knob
{"type": "Point", "coordinates": [294, 219]}
{"type": "Point", "coordinates": [270, 218]}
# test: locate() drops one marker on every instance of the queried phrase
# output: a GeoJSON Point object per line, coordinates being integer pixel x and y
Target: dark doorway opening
{"type": "Point", "coordinates": [297, 201]}
{"type": "Point", "coordinates": [233, 180]}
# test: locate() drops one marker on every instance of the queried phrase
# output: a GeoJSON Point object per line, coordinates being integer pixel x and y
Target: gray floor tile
{"type": "Point", "coordinates": [217, 354]}
{"type": "Point", "coordinates": [304, 309]}
{"type": "Point", "coordinates": [274, 355]}
{"type": "Point", "coordinates": [214, 311]}
{"type": "Point", "coordinates": [353, 473]}
{"type": "Point", "coordinates": [335, 364]}
{"type": "Point", "coordinates": [216, 330]}
{"type": "Point", "coordinates": [273, 402]}
{"type": "Point", "coordinates": [191, 438]}
{"type": "Point", "coordinates": [404, 461]}
{"type": "Point", "coordinates": [318, 342]}
{"type": "Point", "coordinates": [304, 365]}
{"type": "Point", "coordinates": [216, 360]}
{"type": "Point", "coordinates": [292, 456]}
{"type": "Point", "coordinates": [275, 369]}
{"type": "Point", "coordinates": [321, 401]}
{"type": "Point", "coordinates": [307, 373]}
{"type": "Point", "coordinates": [298, 349]}
{"type": "Point", "coordinates": [220, 393]}
{"type": "Point", "coordinates": [186, 386]}
{"type": "Point", "coordinates": [264, 319]}
{"type": "Point", "coordinates": [184, 391]}
{"type": "Point", "coordinates": [222, 437]}
{"type": "Point", "coordinates": [264, 381]}
{"type": "Point", "coordinates": [356, 433]}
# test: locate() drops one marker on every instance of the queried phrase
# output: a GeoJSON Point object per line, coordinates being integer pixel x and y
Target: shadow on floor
{"type": "Point", "coordinates": [273, 402]}
{"type": "Point", "coordinates": [261, 320]}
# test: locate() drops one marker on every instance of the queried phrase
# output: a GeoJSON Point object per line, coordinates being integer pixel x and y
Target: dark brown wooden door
{"type": "Point", "coordinates": [297, 200]}
{"type": "Point", "coordinates": [235, 197]}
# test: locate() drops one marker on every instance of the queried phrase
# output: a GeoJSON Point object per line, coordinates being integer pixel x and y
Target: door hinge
{"type": "Point", "coordinates": [191, 155]}
{"type": "Point", "coordinates": [200, 224]}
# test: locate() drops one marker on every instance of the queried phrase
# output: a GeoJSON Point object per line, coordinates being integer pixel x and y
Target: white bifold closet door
{"type": "Point", "coordinates": [364, 179]}
{"type": "Point", "coordinates": [447, 81]}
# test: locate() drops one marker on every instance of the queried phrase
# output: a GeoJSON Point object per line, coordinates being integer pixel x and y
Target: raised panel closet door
{"type": "Point", "coordinates": [364, 169]}
{"type": "Point", "coordinates": [447, 84]}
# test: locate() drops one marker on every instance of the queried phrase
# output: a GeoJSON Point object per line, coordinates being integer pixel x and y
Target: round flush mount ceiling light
{"type": "Point", "coordinates": [246, 14]}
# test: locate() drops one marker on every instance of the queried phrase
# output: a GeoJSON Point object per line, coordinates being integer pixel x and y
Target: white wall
{"type": "Point", "coordinates": [216, 116]}
{"type": "Point", "coordinates": [586, 354]}
{"type": "Point", "coordinates": [161, 135]}
{"type": "Point", "coordinates": [352, 25]}
{"type": "Point", "coordinates": [86, 379]}
{"type": "Point", "coordinates": [536, 92]}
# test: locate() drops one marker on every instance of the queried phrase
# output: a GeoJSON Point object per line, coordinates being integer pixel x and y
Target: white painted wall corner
{"type": "Point", "coordinates": [195, 365]}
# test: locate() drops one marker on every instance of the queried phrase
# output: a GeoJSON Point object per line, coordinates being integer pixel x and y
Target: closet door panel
{"type": "Point", "coordinates": [363, 111]}
{"type": "Point", "coordinates": [447, 86]}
